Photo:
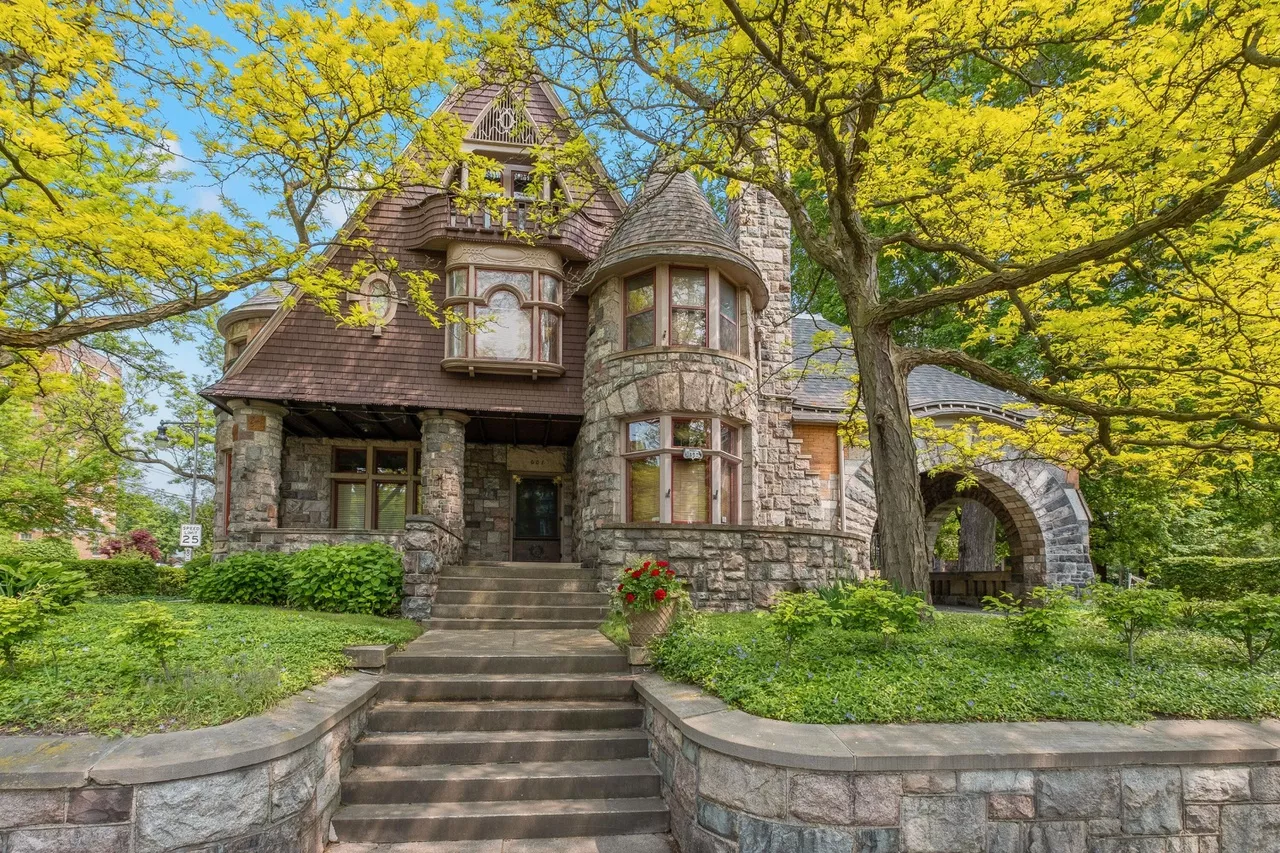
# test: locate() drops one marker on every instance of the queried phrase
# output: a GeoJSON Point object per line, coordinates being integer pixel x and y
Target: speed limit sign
{"type": "Point", "coordinates": [190, 536]}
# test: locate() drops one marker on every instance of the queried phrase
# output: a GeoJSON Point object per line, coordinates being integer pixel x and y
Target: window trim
{"type": "Point", "coordinates": [652, 309]}
{"type": "Point", "coordinates": [370, 480]}
{"type": "Point", "coordinates": [666, 451]}
{"type": "Point", "coordinates": [664, 309]}
{"type": "Point", "coordinates": [468, 305]}
{"type": "Point", "coordinates": [673, 306]}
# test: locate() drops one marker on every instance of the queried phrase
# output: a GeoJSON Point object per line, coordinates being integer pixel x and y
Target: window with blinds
{"type": "Point", "coordinates": [682, 470]}
{"type": "Point", "coordinates": [374, 488]}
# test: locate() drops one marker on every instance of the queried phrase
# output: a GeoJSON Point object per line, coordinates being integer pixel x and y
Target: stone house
{"type": "Point", "coordinates": [637, 382]}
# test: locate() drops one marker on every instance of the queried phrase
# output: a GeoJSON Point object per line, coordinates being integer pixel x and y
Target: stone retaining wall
{"type": "Point", "coordinates": [741, 783]}
{"type": "Point", "coordinates": [733, 567]}
{"type": "Point", "coordinates": [267, 783]}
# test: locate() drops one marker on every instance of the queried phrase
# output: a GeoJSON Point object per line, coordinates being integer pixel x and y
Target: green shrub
{"type": "Point", "coordinates": [874, 605]}
{"type": "Point", "coordinates": [797, 614]}
{"type": "Point", "coordinates": [20, 620]}
{"type": "Point", "coordinates": [1219, 577]}
{"type": "Point", "coordinates": [1251, 621]}
{"type": "Point", "coordinates": [1036, 622]}
{"type": "Point", "coordinates": [131, 575]}
{"type": "Point", "coordinates": [346, 579]}
{"type": "Point", "coordinates": [254, 577]}
{"type": "Point", "coordinates": [50, 549]}
{"type": "Point", "coordinates": [153, 629]}
{"type": "Point", "coordinates": [58, 585]}
{"type": "Point", "coordinates": [1133, 611]}
{"type": "Point", "coordinates": [171, 580]}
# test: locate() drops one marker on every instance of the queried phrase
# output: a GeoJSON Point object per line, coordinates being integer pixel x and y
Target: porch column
{"type": "Point", "coordinates": [257, 438]}
{"type": "Point", "coordinates": [443, 450]}
{"type": "Point", "coordinates": [434, 538]}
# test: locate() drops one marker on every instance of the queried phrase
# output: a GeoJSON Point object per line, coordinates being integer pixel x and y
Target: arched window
{"type": "Point", "coordinates": [513, 320]}
{"type": "Point", "coordinates": [503, 328]}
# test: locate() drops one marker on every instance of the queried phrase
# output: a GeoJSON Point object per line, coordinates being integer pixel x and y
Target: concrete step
{"type": "Point", "coordinates": [406, 662]}
{"type": "Point", "coordinates": [471, 686]}
{"type": "Point", "coordinates": [538, 780]}
{"type": "Point", "coordinates": [541, 598]}
{"type": "Point", "coordinates": [517, 584]}
{"type": "Point", "coordinates": [437, 624]}
{"type": "Point", "coordinates": [503, 716]}
{"type": "Point", "coordinates": [518, 611]}
{"type": "Point", "coordinates": [582, 844]}
{"type": "Point", "coordinates": [482, 747]}
{"type": "Point", "coordinates": [477, 821]}
{"type": "Point", "coordinates": [571, 572]}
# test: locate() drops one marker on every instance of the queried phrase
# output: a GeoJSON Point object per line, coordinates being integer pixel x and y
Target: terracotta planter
{"type": "Point", "coordinates": [644, 625]}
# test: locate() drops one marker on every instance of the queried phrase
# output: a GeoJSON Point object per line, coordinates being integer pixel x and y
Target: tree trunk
{"type": "Point", "coordinates": [904, 558]}
{"type": "Point", "coordinates": [977, 538]}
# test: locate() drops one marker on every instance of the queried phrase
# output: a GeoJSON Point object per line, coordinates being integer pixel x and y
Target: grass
{"type": "Point", "coordinates": [239, 661]}
{"type": "Point", "coordinates": [963, 668]}
{"type": "Point", "coordinates": [615, 629]}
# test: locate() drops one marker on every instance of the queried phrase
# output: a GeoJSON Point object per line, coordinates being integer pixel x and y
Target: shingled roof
{"type": "Point", "coordinates": [672, 220]}
{"type": "Point", "coordinates": [824, 376]}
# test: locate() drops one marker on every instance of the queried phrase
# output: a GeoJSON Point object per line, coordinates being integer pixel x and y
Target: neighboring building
{"type": "Point", "coordinates": [640, 385]}
{"type": "Point", "coordinates": [77, 359]}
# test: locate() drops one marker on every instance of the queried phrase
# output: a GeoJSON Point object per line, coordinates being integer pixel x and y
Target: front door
{"type": "Point", "coordinates": [537, 520]}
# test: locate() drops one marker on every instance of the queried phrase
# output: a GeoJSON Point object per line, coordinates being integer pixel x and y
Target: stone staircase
{"type": "Point", "coordinates": [516, 731]}
{"type": "Point", "coordinates": [504, 596]}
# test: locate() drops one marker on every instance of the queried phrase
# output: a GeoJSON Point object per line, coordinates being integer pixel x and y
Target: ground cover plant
{"type": "Point", "coordinates": [965, 667]}
{"type": "Point", "coordinates": [100, 667]}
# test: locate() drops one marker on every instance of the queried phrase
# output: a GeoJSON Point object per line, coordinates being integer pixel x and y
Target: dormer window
{"type": "Point", "coordinates": [514, 318]}
{"type": "Point", "coordinates": [678, 306]}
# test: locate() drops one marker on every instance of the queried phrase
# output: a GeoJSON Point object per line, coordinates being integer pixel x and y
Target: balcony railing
{"type": "Point", "coordinates": [443, 217]}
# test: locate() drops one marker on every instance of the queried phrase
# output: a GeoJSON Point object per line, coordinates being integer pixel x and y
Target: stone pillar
{"type": "Point", "coordinates": [257, 438]}
{"type": "Point", "coordinates": [435, 538]}
{"type": "Point", "coordinates": [443, 453]}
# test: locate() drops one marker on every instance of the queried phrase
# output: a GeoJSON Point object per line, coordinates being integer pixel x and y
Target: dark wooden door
{"type": "Point", "coordinates": [537, 521]}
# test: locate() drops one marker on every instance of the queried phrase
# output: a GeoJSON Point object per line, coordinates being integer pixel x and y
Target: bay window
{"type": "Point", "coordinates": [682, 469]}
{"type": "Point", "coordinates": [374, 488]}
{"type": "Point", "coordinates": [671, 305]}
{"type": "Point", "coordinates": [512, 320]}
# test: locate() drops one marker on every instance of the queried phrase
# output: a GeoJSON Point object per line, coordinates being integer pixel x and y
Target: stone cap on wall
{"type": "Point", "coordinates": [72, 761]}
{"type": "Point", "coordinates": [658, 526]}
{"type": "Point", "coordinates": [709, 722]}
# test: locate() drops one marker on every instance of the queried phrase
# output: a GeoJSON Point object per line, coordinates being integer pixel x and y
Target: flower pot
{"type": "Point", "coordinates": [644, 625]}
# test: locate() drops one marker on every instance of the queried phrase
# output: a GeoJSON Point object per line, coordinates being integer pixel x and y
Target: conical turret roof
{"type": "Point", "coordinates": [671, 220]}
{"type": "Point", "coordinates": [261, 304]}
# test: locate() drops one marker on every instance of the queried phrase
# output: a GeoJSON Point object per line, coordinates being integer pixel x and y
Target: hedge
{"type": "Point", "coordinates": [1220, 577]}
{"type": "Point", "coordinates": [121, 575]}
{"type": "Point", "coordinates": [48, 549]}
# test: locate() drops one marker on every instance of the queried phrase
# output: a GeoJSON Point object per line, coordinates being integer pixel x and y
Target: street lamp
{"type": "Point", "coordinates": [163, 440]}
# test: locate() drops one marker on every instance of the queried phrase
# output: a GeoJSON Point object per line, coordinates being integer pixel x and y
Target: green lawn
{"type": "Point", "coordinates": [962, 668]}
{"type": "Point", "coordinates": [238, 662]}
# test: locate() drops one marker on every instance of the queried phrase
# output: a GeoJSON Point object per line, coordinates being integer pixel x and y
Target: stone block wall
{"type": "Point", "coordinates": [734, 567]}
{"type": "Point", "coordinates": [290, 540]}
{"type": "Point", "coordinates": [725, 804]}
{"type": "Point", "coordinates": [428, 547]}
{"type": "Point", "coordinates": [282, 804]}
{"type": "Point", "coordinates": [487, 495]}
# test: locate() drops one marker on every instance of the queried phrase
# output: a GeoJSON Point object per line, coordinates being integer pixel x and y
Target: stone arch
{"type": "Point", "coordinates": [1042, 514]}
{"type": "Point", "coordinates": [943, 491]}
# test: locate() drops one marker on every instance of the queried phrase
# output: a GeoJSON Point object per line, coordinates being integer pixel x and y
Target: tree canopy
{"type": "Point", "coordinates": [1090, 185]}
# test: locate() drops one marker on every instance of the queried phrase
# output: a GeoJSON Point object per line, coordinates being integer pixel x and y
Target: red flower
{"type": "Point", "coordinates": [631, 596]}
{"type": "Point", "coordinates": [659, 594]}
{"type": "Point", "coordinates": [662, 564]}
{"type": "Point", "coordinates": [671, 573]}
{"type": "Point", "coordinates": [637, 573]}
{"type": "Point", "coordinates": [646, 565]}
{"type": "Point", "coordinates": [655, 573]}
{"type": "Point", "coordinates": [619, 587]}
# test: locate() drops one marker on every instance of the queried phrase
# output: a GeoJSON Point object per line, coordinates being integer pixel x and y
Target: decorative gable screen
{"type": "Point", "coordinates": [506, 121]}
